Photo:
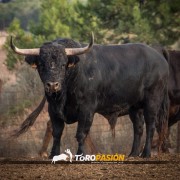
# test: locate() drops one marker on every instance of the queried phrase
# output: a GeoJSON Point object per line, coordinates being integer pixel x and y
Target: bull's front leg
{"type": "Point", "coordinates": [58, 127]}
{"type": "Point", "coordinates": [85, 120]}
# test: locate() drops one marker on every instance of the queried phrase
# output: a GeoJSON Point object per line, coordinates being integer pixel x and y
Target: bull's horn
{"type": "Point", "coordinates": [34, 51]}
{"type": "Point", "coordinates": [78, 51]}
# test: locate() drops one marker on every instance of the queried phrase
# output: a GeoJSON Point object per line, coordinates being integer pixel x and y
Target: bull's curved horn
{"type": "Point", "coordinates": [34, 51]}
{"type": "Point", "coordinates": [78, 51]}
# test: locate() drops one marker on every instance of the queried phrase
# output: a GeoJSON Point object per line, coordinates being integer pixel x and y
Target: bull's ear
{"type": "Point", "coordinates": [34, 66]}
{"type": "Point", "coordinates": [32, 60]}
{"type": "Point", "coordinates": [72, 61]}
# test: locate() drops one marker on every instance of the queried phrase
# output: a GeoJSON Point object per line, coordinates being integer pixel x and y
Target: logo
{"type": "Point", "coordinates": [64, 156]}
{"type": "Point", "coordinates": [88, 158]}
{"type": "Point", "coordinates": [101, 157]}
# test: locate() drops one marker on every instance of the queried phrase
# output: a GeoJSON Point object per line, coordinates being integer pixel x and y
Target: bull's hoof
{"type": "Point", "coordinates": [145, 155]}
{"type": "Point", "coordinates": [50, 156]}
{"type": "Point", "coordinates": [80, 152]}
{"type": "Point", "coordinates": [43, 154]}
{"type": "Point", "coordinates": [165, 149]}
{"type": "Point", "coordinates": [133, 154]}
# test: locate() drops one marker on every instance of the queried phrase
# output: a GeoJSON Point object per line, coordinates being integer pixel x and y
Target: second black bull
{"type": "Point", "coordinates": [108, 79]}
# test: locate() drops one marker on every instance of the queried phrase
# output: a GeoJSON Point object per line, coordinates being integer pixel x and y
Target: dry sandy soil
{"type": "Point", "coordinates": [162, 167]}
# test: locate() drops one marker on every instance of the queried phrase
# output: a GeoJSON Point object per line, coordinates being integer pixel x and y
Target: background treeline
{"type": "Point", "coordinates": [116, 21]}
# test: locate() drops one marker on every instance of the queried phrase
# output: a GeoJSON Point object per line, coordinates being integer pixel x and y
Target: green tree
{"type": "Point", "coordinates": [88, 21]}
{"type": "Point", "coordinates": [24, 10]}
{"type": "Point", "coordinates": [118, 20]}
{"type": "Point", "coordinates": [156, 22]}
{"type": "Point", "coordinates": [57, 19]}
{"type": "Point", "coordinates": [164, 18]}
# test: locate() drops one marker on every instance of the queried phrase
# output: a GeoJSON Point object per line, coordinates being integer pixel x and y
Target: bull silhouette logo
{"type": "Point", "coordinates": [63, 157]}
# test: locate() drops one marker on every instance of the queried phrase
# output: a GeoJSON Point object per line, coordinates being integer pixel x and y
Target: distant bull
{"type": "Point", "coordinates": [81, 80]}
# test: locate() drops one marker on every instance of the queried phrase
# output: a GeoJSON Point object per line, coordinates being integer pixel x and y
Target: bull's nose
{"type": "Point", "coordinates": [52, 86]}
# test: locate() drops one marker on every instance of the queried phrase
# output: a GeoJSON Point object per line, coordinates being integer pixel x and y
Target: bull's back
{"type": "Point", "coordinates": [127, 66]}
{"type": "Point", "coordinates": [122, 73]}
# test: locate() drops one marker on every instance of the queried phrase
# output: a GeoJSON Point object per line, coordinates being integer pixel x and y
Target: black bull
{"type": "Point", "coordinates": [173, 58]}
{"type": "Point", "coordinates": [109, 79]}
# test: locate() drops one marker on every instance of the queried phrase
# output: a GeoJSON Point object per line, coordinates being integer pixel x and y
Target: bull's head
{"type": "Point", "coordinates": [51, 60]}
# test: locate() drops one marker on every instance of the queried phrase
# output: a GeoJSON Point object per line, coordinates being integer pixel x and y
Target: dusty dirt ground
{"type": "Point", "coordinates": [162, 167]}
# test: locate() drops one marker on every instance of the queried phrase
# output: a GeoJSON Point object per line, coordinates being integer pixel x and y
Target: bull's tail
{"type": "Point", "coordinates": [162, 120]}
{"type": "Point", "coordinates": [166, 54]}
{"type": "Point", "coordinates": [29, 121]}
{"type": "Point", "coordinates": [162, 124]}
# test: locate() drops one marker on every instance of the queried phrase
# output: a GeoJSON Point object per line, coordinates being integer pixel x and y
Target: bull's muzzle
{"type": "Point", "coordinates": [52, 86]}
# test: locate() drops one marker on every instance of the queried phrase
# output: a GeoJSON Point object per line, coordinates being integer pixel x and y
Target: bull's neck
{"type": "Point", "coordinates": [57, 103]}
{"type": "Point", "coordinates": [53, 97]}
{"type": "Point", "coordinates": [72, 78]}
